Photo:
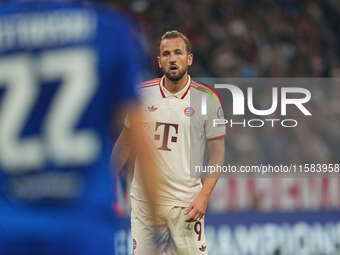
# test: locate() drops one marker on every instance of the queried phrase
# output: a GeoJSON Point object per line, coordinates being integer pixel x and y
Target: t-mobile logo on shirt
{"type": "Point", "coordinates": [167, 127]}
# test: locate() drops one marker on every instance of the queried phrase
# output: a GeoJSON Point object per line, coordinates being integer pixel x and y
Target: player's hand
{"type": "Point", "coordinates": [197, 208]}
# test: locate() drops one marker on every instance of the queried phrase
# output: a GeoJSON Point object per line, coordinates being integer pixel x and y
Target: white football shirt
{"type": "Point", "coordinates": [179, 132]}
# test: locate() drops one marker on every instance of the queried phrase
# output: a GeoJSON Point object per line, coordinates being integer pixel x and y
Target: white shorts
{"type": "Point", "coordinates": [174, 235]}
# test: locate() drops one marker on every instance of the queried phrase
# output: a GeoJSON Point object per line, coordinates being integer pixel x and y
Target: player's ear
{"type": "Point", "coordinates": [190, 59]}
{"type": "Point", "coordinates": [159, 62]}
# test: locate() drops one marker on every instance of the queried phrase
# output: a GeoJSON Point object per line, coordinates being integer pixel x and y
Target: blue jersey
{"type": "Point", "coordinates": [64, 70]}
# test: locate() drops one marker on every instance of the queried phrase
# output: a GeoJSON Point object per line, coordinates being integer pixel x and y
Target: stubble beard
{"type": "Point", "coordinates": [176, 77]}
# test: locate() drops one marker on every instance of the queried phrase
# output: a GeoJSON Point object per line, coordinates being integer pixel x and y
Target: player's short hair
{"type": "Point", "coordinates": [175, 34]}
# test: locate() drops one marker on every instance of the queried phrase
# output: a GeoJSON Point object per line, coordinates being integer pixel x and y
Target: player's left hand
{"type": "Point", "coordinates": [197, 208]}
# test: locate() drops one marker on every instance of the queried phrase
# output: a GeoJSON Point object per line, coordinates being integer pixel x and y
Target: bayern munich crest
{"type": "Point", "coordinates": [134, 244]}
{"type": "Point", "coordinates": [189, 111]}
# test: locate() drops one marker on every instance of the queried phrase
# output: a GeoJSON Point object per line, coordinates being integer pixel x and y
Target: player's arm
{"type": "Point", "coordinates": [198, 206]}
{"type": "Point", "coordinates": [137, 140]}
{"type": "Point", "coordinates": [216, 155]}
{"type": "Point", "coordinates": [121, 150]}
{"type": "Point", "coordinates": [215, 145]}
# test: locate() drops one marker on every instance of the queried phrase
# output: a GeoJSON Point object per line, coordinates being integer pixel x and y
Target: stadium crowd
{"type": "Point", "coordinates": [243, 38]}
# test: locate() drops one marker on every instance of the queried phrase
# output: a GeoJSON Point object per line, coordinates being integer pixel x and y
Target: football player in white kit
{"type": "Point", "coordinates": [180, 133]}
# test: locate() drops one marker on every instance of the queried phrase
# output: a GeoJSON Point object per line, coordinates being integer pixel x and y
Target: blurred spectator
{"type": "Point", "coordinates": [291, 38]}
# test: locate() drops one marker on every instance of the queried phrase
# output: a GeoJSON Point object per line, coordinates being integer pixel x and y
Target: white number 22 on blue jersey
{"type": "Point", "coordinates": [23, 76]}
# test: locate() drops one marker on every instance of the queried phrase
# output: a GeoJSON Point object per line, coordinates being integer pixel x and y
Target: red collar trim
{"type": "Point", "coordinates": [160, 88]}
{"type": "Point", "coordinates": [163, 94]}
{"type": "Point", "coordinates": [186, 92]}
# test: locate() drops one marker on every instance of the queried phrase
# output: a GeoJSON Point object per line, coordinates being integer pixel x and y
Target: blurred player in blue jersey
{"type": "Point", "coordinates": [64, 70]}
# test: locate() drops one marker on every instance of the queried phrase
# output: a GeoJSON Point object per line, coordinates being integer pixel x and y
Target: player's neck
{"type": "Point", "coordinates": [175, 86]}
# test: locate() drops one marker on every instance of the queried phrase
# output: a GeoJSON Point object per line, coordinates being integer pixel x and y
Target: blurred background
{"type": "Point", "coordinates": [263, 38]}
{"type": "Point", "coordinates": [249, 39]}
{"type": "Point", "coordinates": [245, 38]}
